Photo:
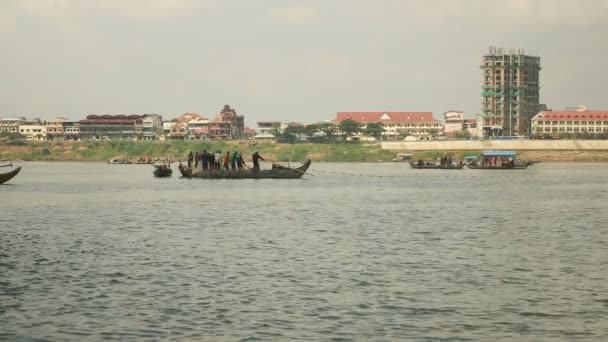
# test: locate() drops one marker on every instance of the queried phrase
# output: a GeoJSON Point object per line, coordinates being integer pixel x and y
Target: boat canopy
{"type": "Point", "coordinates": [471, 157]}
{"type": "Point", "coordinates": [498, 153]}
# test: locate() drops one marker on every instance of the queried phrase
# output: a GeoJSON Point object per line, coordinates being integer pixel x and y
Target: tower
{"type": "Point", "coordinates": [510, 92]}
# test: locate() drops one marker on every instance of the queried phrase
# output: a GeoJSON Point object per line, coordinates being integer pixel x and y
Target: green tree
{"type": "Point", "coordinates": [276, 130]}
{"type": "Point", "coordinates": [329, 129]}
{"type": "Point", "coordinates": [463, 134]}
{"type": "Point", "coordinates": [374, 129]}
{"type": "Point", "coordinates": [433, 133]}
{"type": "Point", "coordinates": [349, 127]}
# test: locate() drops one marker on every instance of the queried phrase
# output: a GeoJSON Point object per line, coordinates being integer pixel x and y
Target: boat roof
{"type": "Point", "coordinates": [471, 157]}
{"type": "Point", "coordinates": [498, 153]}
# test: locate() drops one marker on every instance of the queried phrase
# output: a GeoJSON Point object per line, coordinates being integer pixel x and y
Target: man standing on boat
{"type": "Point", "coordinates": [255, 159]}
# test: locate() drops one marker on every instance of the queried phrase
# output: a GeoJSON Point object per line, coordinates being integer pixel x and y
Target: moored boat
{"type": "Point", "coordinates": [5, 177]}
{"type": "Point", "coordinates": [277, 172]}
{"type": "Point", "coordinates": [431, 165]}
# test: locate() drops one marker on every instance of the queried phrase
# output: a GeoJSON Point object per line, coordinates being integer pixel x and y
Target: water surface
{"type": "Point", "coordinates": [351, 252]}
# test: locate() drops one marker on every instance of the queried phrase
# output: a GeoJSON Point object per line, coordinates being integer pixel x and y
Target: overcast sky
{"type": "Point", "coordinates": [287, 60]}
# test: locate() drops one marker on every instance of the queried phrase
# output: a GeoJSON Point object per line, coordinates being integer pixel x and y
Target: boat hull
{"type": "Point", "coordinates": [442, 167]}
{"type": "Point", "coordinates": [5, 177]}
{"type": "Point", "coordinates": [512, 167]}
{"type": "Point", "coordinates": [280, 173]}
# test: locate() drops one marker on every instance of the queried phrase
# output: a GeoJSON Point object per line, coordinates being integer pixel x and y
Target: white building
{"type": "Point", "coordinates": [33, 132]}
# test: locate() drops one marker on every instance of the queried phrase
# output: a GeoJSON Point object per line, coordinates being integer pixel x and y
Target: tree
{"type": "Point", "coordinates": [287, 137]}
{"type": "Point", "coordinates": [349, 127]}
{"type": "Point", "coordinates": [375, 130]}
{"type": "Point", "coordinates": [329, 129]}
{"type": "Point", "coordinates": [433, 133]}
{"type": "Point", "coordinates": [275, 130]}
{"type": "Point", "coordinates": [463, 134]}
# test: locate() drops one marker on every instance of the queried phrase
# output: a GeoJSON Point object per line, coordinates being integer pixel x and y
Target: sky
{"type": "Point", "coordinates": [288, 60]}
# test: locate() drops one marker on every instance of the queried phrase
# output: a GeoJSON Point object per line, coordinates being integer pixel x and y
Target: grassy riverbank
{"type": "Point", "coordinates": [339, 152]}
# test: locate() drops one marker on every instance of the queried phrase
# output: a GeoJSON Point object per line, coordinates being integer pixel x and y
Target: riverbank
{"type": "Point", "coordinates": [339, 152]}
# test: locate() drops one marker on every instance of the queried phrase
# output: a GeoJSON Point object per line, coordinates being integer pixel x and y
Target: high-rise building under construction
{"type": "Point", "coordinates": [510, 92]}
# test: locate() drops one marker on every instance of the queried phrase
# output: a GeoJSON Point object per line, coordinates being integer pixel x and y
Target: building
{"type": "Point", "coordinates": [470, 126]}
{"type": "Point", "coordinates": [11, 124]}
{"type": "Point", "coordinates": [33, 132]}
{"type": "Point", "coordinates": [584, 124]}
{"type": "Point", "coordinates": [510, 92]}
{"type": "Point", "coordinates": [152, 127]}
{"type": "Point", "coordinates": [111, 127]}
{"type": "Point", "coordinates": [453, 122]}
{"type": "Point", "coordinates": [397, 125]}
{"type": "Point", "coordinates": [267, 129]}
{"type": "Point", "coordinates": [198, 128]}
{"type": "Point", "coordinates": [227, 115]}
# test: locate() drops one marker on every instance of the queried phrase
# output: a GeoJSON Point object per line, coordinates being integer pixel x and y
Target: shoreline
{"type": "Point", "coordinates": [95, 151]}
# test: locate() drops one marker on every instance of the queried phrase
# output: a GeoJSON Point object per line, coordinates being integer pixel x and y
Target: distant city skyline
{"type": "Point", "coordinates": [287, 60]}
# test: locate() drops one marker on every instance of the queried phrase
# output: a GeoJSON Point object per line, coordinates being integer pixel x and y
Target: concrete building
{"type": "Point", "coordinates": [584, 124]}
{"type": "Point", "coordinates": [198, 128]}
{"type": "Point", "coordinates": [151, 127]}
{"type": "Point", "coordinates": [11, 124]}
{"type": "Point", "coordinates": [54, 128]}
{"type": "Point", "coordinates": [510, 92]}
{"type": "Point", "coordinates": [265, 129]}
{"type": "Point", "coordinates": [111, 127]}
{"type": "Point", "coordinates": [398, 125]}
{"type": "Point", "coordinates": [236, 123]}
{"type": "Point", "coordinates": [33, 132]}
{"type": "Point", "coordinates": [453, 122]}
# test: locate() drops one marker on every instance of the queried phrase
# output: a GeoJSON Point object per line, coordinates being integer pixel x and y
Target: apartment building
{"type": "Point", "coordinates": [510, 92]}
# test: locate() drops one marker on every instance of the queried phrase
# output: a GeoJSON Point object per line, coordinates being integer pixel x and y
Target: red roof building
{"type": "Point", "coordinates": [570, 122]}
{"type": "Point", "coordinates": [421, 125]}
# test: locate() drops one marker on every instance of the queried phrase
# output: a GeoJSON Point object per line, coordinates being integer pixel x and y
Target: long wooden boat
{"type": "Point", "coordinates": [499, 160]}
{"type": "Point", "coordinates": [5, 177]}
{"type": "Point", "coordinates": [500, 167]}
{"type": "Point", "coordinates": [458, 166]}
{"type": "Point", "coordinates": [277, 172]}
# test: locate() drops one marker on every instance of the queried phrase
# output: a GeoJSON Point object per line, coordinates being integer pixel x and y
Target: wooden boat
{"type": "Point", "coordinates": [499, 167]}
{"type": "Point", "coordinates": [162, 170]}
{"type": "Point", "coordinates": [277, 172]}
{"type": "Point", "coordinates": [5, 177]}
{"type": "Point", "coordinates": [490, 161]}
{"type": "Point", "coordinates": [424, 165]}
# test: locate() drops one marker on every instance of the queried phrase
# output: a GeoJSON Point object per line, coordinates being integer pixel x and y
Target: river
{"type": "Point", "coordinates": [350, 252]}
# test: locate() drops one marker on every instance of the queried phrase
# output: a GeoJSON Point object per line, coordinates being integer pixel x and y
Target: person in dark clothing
{"type": "Point", "coordinates": [190, 157]}
{"type": "Point", "coordinates": [204, 160]}
{"type": "Point", "coordinates": [255, 159]}
{"type": "Point", "coordinates": [240, 163]}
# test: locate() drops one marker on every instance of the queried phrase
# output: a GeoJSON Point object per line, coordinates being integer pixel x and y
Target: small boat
{"type": "Point", "coordinates": [277, 172]}
{"type": "Point", "coordinates": [403, 157]}
{"type": "Point", "coordinates": [162, 170]}
{"type": "Point", "coordinates": [431, 165]}
{"type": "Point", "coordinates": [5, 177]}
{"type": "Point", "coordinates": [499, 160]}
{"type": "Point", "coordinates": [119, 161]}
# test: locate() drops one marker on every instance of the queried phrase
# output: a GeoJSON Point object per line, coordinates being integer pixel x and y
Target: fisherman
{"type": "Point", "coordinates": [190, 157]}
{"type": "Point", "coordinates": [255, 159]}
{"type": "Point", "coordinates": [233, 158]}
{"type": "Point", "coordinates": [240, 163]}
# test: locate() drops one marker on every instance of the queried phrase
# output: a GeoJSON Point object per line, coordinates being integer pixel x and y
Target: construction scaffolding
{"type": "Point", "coordinates": [510, 91]}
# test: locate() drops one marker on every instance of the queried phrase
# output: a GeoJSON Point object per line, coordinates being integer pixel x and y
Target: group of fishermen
{"type": "Point", "coordinates": [212, 161]}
